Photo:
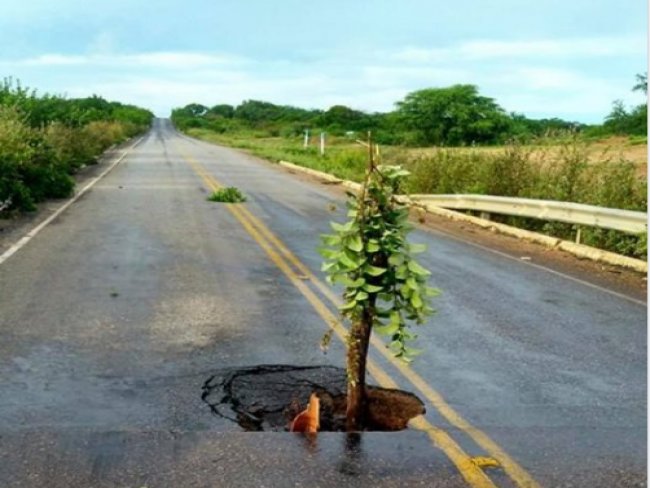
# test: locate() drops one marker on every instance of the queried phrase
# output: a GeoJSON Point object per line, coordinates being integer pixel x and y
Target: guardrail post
{"type": "Point", "coordinates": [306, 143]}
{"type": "Point", "coordinates": [579, 235]}
{"type": "Point", "coordinates": [322, 143]}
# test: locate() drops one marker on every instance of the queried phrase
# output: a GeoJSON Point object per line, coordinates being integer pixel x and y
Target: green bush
{"type": "Point", "coordinates": [44, 139]}
{"type": "Point", "coordinates": [229, 194]}
{"type": "Point", "coordinates": [545, 173]}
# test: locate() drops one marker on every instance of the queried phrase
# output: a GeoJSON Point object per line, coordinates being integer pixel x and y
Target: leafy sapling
{"type": "Point", "coordinates": [385, 287]}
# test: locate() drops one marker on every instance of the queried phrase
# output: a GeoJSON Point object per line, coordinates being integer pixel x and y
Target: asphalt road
{"type": "Point", "coordinates": [113, 316]}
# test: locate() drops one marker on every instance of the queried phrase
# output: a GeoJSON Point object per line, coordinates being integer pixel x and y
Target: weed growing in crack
{"type": "Point", "coordinates": [227, 195]}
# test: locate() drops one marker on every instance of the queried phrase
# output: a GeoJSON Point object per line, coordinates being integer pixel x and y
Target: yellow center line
{"type": "Point", "coordinates": [510, 466]}
{"type": "Point", "coordinates": [468, 469]}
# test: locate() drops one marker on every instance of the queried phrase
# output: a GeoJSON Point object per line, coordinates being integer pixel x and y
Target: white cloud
{"type": "Point", "coordinates": [562, 48]}
{"type": "Point", "coordinates": [527, 77]}
{"type": "Point", "coordinates": [484, 49]}
{"type": "Point", "coordinates": [49, 60]}
{"type": "Point", "coordinates": [163, 59]}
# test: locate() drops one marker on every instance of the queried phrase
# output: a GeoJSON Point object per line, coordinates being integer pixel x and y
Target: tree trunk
{"type": "Point", "coordinates": [356, 368]}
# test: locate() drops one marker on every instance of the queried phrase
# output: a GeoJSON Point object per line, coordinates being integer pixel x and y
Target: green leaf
{"type": "Point", "coordinates": [395, 318]}
{"type": "Point", "coordinates": [412, 352]}
{"type": "Point", "coordinates": [374, 270]}
{"type": "Point", "coordinates": [412, 283]}
{"type": "Point", "coordinates": [401, 272]}
{"type": "Point", "coordinates": [348, 305]}
{"type": "Point", "coordinates": [417, 269]}
{"type": "Point", "coordinates": [372, 288]}
{"type": "Point", "coordinates": [337, 227]}
{"type": "Point", "coordinates": [402, 215]}
{"type": "Point", "coordinates": [417, 248]}
{"type": "Point", "coordinates": [347, 227]}
{"type": "Point", "coordinates": [348, 263]}
{"type": "Point", "coordinates": [396, 259]}
{"type": "Point", "coordinates": [350, 283]}
{"type": "Point", "coordinates": [361, 296]}
{"type": "Point", "coordinates": [406, 292]}
{"type": "Point", "coordinates": [372, 246]}
{"type": "Point", "coordinates": [328, 253]}
{"type": "Point", "coordinates": [383, 313]}
{"type": "Point", "coordinates": [330, 240]}
{"type": "Point", "coordinates": [355, 244]}
{"type": "Point", "coordinates": [416, 300]}
{"type": "Point", "coordinates": [431, 292]}
{"type": "Point", "coordinates": [386, 330]}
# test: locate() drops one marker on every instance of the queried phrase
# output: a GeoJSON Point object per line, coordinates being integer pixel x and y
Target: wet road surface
{"type": "Point", "coordinates": [115, 314]}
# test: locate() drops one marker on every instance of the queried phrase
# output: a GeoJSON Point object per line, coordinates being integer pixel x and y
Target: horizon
{"type": "Point", "coordinates": [543, 61]}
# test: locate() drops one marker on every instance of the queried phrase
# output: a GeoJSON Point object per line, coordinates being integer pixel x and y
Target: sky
{"type": "Point", "coordinates": [542, 58]}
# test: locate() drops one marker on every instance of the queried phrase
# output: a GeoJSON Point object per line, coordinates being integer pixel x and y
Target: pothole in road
{"type": "Point", "coordinates": [268, 397]}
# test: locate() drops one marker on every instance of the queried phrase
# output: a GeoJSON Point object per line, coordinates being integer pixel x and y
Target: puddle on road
{"type": "Point", "coordinates": [268, 397]}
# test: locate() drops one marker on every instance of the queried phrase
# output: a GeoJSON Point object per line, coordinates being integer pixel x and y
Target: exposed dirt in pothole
{"type": "Point", "coordinates": [268, 397]}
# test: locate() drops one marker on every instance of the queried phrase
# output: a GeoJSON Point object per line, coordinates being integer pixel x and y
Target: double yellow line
{"type": "Point", "coordinates": [298, 274]}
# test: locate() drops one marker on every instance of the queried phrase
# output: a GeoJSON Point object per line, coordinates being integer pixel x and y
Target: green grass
{"type": "Point", "coordinates": [227, 195]}
{"type": "Point", "coordinates": [638, 140]}
{"type": "Point", "coordinates": [571, 170]}
{"type": "Point", "coordinates": [342, 158]}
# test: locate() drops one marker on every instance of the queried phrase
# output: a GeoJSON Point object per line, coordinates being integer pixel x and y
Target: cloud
{"type": "Point", "coordinates": [486, 49]}
{"type": "Point", "coordinates": [163, 60]}
{"type": "Point", "coordinates": [527, 77]}
{"type": "Point", "coordinates": [48, 60]}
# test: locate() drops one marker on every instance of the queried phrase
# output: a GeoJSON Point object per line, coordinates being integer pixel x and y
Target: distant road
{"type": "Point", "coordinates": [113, 316]}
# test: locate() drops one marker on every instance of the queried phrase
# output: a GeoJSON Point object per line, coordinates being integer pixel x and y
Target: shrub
{"type": "Point", "coordinates": [45, 138]}
{"type": "Point", "coordinates": [227, 195]}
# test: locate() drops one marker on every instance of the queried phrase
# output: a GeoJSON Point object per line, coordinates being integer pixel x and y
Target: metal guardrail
{"type": "Point", "coordinates": [572, 213]}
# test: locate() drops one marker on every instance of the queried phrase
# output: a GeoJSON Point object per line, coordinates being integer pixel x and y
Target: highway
{"type": "Point", "coordinates": [114, 315]}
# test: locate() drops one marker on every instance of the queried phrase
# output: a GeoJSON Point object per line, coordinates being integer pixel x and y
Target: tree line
{"type": "Point", "coordinates": [44, 139]}
{"type": "Point", "coordinates": [451, 116]}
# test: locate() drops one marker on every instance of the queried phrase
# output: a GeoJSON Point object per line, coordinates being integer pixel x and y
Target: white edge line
{"type": "Point", "coordinates": [534, 265]}
{"type": "Point", "coordinates": [28, 237]}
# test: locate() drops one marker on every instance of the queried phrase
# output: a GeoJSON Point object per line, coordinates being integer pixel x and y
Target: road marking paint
{"type": "Point", "coordinates": [535, 265]}
{"type": "Point", "coordinates": [512, 468]}
{"type": "Point", "coordinates": [494, 251]}
{"type": "Point", "coordinates": [32, 233]}
{"type": "Point", "coordinates": [473, 474]}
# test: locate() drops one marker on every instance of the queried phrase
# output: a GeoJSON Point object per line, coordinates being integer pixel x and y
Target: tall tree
{"type": "Point", "coordinates": [453, 116]}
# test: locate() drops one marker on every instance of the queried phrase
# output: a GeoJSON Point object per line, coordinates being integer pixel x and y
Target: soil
{"type": "Point", "coordinates": [268, 397]}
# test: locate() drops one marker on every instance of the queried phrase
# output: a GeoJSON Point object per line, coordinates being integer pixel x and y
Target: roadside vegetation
{"type": "Point", "coordinates": [227, 195]}
{"type": "Point", "coordinates": [453, 140]}
{"type": "Point", "coordinates": [44, 139]}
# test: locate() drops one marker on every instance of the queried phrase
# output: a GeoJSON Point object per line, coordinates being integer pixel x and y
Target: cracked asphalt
{"type": "Point", "coordinates": [115, 314]}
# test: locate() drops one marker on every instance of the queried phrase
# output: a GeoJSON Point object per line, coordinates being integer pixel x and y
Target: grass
{"type": "Point", "coordinates": [342, 158]}
{"type": "Point", "coordinates": [227, 195]}
{"type": "Point", "coordinates": [571, 170]}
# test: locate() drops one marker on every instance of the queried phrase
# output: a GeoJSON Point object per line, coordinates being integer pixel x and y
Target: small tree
{"type": "Point", "coordinates": [385, 287]}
